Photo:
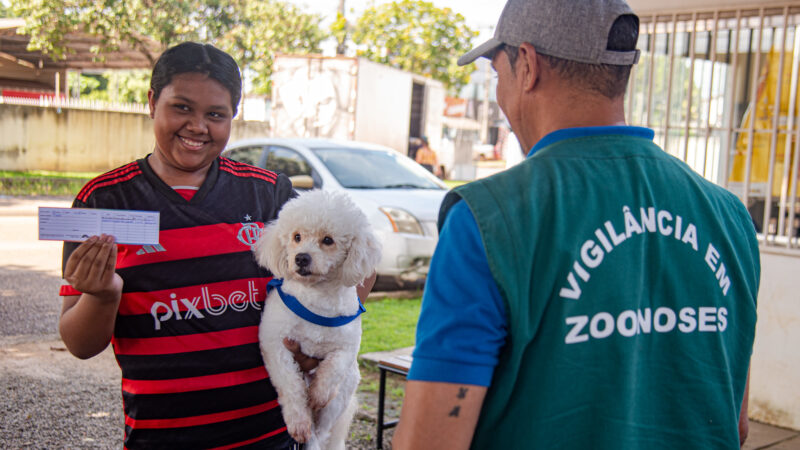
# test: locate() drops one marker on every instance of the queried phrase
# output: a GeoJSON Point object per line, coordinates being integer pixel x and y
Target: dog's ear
{"type": "Point", "coordinates": [362, 258]}
{"type": "Point", "coordinates": [270, 250]}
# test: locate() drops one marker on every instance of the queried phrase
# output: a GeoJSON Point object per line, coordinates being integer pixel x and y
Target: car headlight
{"type": "Point", "coordinates": [402, 221]}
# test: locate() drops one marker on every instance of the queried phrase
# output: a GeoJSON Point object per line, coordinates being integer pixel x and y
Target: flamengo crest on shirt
{"type": "Point", "coordinates": [249, 233]}
{"type": "Point", "coordinates": [657, 222]}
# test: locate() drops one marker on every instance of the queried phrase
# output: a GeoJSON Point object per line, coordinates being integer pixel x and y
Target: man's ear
{"type": "Point", "coordinates": [528, 66]}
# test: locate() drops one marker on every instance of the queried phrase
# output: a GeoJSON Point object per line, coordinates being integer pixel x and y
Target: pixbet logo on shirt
{"type": "Point", "coordinates": [207, 303]}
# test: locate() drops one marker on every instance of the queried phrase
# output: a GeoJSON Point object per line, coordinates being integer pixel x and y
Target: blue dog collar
{"type": "Point", "coordinates": [296, 307]}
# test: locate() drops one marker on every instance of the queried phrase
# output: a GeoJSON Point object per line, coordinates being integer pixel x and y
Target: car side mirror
{"type": "Point", "coordinates": [302, 182]}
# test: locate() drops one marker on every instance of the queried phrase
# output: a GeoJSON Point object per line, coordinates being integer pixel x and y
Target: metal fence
{"type": "Point", "coordinates": [74, 103]}
{"type": "Point", "coordinates": [720, 89]}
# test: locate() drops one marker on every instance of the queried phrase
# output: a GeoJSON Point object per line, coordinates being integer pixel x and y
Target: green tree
{"type": "Point", "coordinates": [251, 30]}
{"type": "Point", "coordinates": [125, 86]}
{"type": "Point", "coordinates": [136, 23]}
{"type": "Point", "coordinates": [416, 36]}
{"type": "Point", "coordinates": [265, 28]}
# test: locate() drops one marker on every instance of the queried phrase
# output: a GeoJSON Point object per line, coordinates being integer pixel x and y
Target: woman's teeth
{"type": "Point", "coordinates": [190, 142]}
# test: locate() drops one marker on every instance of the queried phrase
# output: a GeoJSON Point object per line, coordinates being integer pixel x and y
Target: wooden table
{"type": "Point", "coordinates": [393, 364]}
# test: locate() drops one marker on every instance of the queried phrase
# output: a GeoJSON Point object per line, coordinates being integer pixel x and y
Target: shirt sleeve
{"type": "Point", "coordinates": [463, 322]}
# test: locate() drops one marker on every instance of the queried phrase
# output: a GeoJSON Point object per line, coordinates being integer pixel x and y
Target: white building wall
{"type": "Point", "coordinates": [775, 366]}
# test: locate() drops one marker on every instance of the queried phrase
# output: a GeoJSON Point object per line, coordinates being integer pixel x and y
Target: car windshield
{"type": "Point", "coordinates": [376, 169]}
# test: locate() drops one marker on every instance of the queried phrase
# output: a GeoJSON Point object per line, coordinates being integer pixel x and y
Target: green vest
{"type": "Point", "coordinates": [630, 284]}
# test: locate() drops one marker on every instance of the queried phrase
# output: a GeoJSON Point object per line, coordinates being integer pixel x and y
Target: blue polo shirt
{"type": "Point", "coordinates": [463, 323]}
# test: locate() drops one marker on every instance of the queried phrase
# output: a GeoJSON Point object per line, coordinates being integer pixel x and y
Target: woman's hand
{"type": "Point", "coordinates": [91, 268]}
{"type": "Point", "coordinates": [306, 363]}
{"type": "Point", "coordinates": [87, 321]}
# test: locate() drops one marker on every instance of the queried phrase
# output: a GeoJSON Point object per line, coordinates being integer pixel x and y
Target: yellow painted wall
{"type": "Point", "coordinates": [74, 140]}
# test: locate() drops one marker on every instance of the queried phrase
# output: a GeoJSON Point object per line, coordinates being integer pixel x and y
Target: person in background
{"type": "Point", "coordinates": [600, 294]}
{"type": "Point", "coordinates": [183, 315]}
{"type": "Point", "coordinates": [413, 145]}
{"type": "Point", "coordinates": [426, 157]}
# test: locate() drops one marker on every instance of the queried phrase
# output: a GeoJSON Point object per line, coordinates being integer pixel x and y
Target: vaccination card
{"type": "Point", "coordinates": [78, 224]}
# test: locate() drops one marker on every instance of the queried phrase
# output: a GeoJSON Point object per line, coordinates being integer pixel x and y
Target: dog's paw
{"type": "Point", "coordinates": [298, 422]}
{"type": "Point", "coordinates": [320, 394]}
{"type": "Point", "coordinates": [300, 430]}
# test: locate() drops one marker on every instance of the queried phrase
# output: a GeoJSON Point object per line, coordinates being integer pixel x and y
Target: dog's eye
{"type": "Point", "coordinates": [327, 240]}
{"type": "Point", "coordinates": [297, 237]}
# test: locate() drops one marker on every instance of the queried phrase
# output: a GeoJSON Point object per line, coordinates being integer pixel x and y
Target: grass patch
{"type": "Point", "coordinates": [48, 174]}
{"type": "Point", "coordinates": [389, 324]}
{"type": "Point", "coordinates": [454, 183]}
{"type": "Point", "coordinates": [40, 182]}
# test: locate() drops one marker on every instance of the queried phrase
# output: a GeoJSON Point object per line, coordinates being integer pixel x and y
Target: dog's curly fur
{"type": "Point", "coordinates": [322, 246]}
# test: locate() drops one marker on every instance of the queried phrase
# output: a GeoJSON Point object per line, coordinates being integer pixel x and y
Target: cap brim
{"type": "Point", "coordinates": [479, 51]}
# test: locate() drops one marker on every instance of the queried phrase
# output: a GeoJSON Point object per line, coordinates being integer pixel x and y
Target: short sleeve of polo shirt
{"type": "Point", "coordinates": [463, 323]}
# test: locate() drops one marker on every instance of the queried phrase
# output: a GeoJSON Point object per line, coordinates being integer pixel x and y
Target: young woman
{"type": "Point", "coordinates": [183, 315]}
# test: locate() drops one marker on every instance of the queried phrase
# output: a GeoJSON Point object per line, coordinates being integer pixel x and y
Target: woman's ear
{"type": "Point", "coordinates": [270, 251]}
{"type": "Point", "coordinates": [151, 101]}
{"type": "Point", "coordinates": [363, 257]}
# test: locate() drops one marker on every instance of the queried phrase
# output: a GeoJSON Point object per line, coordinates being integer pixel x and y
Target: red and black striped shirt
{"type": "Point", "coordinates": [186, 333]}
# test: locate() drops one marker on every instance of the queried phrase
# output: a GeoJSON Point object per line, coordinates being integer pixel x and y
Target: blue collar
{"type": "Point", "coordinates": [296, 307]}
{"type": "Point", "coordinates": [567, 133]}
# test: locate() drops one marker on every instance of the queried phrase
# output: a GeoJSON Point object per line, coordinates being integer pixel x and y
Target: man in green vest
{"type": "Point", "coordinates": [598, 295]}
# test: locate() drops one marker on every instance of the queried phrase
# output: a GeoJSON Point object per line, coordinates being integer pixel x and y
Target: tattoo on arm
{"type": "Point", "coordinates": [462, 394]}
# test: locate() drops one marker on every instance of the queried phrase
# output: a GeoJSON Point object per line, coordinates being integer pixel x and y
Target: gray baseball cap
{"type": "Point", "coordinates": [575, 30]}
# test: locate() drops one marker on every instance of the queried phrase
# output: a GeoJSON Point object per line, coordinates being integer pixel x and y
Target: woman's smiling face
{"type": "Point", "coordinates": [192, 123]}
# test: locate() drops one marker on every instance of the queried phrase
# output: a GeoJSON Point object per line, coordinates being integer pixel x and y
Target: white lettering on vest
{"type": "Point", "coordinates": [651, 222]}
{"type": "Point", "coordinates": [631, 323]}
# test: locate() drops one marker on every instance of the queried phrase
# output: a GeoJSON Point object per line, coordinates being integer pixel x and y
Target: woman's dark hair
{"type": "Point", "coordinates": [191, 57]}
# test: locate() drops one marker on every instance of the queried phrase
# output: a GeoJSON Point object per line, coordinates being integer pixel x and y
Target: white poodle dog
{"type": "Point", "coordinates": [318, 249]}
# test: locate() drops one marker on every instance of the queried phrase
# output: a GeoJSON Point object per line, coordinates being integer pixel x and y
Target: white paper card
{"type": "Point", "coordinates": [78, 224]}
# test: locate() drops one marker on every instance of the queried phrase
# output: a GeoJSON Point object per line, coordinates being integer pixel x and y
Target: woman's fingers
{"type": "Point", "coordinates": [77, 256]}
{"type": "Point", "coordinates": [91, 266]}
{"type": "Point", "coordinates": [110, 262]}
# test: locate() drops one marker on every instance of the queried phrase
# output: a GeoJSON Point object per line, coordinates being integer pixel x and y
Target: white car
{"type": "Point", "coordinates": [400, 197]}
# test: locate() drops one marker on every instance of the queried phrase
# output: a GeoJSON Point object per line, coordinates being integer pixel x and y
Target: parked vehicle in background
{"type": "Point", "coordinates": [400, 198]}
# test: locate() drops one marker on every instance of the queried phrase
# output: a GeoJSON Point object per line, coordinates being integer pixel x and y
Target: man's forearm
{"type": "Point", "coordinates": [438, 415]}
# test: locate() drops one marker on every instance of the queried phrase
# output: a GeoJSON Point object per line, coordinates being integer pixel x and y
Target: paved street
{"type": "Point", "coordinates": [50, 399]}
{"type": "Point", "coordinates": [30, 270]}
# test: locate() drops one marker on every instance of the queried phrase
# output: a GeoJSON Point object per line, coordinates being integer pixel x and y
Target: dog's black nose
{"type": "Point", "coordinates": [302, 259]}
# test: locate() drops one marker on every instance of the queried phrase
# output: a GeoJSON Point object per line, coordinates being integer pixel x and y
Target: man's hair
{"type": "Point", "coordinates": [191, 57]}
{"type": "Point", "coordinates": [605, 79]}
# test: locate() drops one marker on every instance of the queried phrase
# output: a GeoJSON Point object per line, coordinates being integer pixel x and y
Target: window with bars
{"type": "Point", "coordinates": [720, 89]}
